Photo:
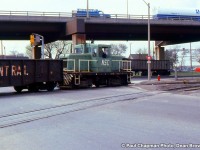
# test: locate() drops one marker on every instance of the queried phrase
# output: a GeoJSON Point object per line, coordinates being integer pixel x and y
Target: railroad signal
{"type": "Point", "coordinates": [32, 39]}
{"type": "Point", "coordinates": [35, 40]}
{"type": "Point", "coordinates": [148, 58]}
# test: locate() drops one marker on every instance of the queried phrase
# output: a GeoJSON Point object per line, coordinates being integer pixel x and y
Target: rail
{"type": "Point", "coordinates": [4, 13]}
{"type": "Point", "coordinates": [29, 115]}
{"type": "Point", "coordinates": [124, 65]}
{"type": "Point", "coordinates": [69, 60]}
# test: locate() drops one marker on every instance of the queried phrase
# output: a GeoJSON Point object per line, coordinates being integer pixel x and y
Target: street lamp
{"type": "Point", "coordinates": [131, 48]}
{"type": "Point", "coordinates": [149, 62]}
{"type": "Point", "coordinates": [191, 56]}
{"type": "Point", "coordinates": [174, 56]}
{"type": "Point", "coordinates": [87, 8]}
{"type": "Point", "coordinates": [127, 8]}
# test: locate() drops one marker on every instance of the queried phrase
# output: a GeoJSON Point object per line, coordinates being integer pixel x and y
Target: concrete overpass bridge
{"type": "Point", "coordinates": [54, 26]}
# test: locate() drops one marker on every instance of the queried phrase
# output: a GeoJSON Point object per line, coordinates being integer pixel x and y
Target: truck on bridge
{"type": "Point", "coordinates": [177, 14]}
{"type": "Point", "coordinates": [92, 13]}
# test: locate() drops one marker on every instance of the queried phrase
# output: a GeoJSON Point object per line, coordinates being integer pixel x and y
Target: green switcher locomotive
{"type": "Point", "coordinates": [93, 64]}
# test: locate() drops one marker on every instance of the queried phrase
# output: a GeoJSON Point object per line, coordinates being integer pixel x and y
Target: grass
{"type": "Point", "coordinates": [184, 73]}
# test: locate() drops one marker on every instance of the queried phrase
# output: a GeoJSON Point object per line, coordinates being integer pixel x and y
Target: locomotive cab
{"type": "Point", "coordinates": [93, 64]}
{"type": "Point", "coordinates": [89, 58]}
{"type": "Point", "coordinates": [103, 58]}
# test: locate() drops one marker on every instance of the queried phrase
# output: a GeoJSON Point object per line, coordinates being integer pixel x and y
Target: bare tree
{"type": "Point", "coordinates": [196, 55]}
{"type": "Point", "coordinates": [54, 49]}
{"type": "Point", "coordinates": [62, 47]}
{"type": "Point", "coordinates": [49, 49]}
{"type": "Point", "coordinates": [168, 54]}
{"type": "Point", "coordinates": [182, 57]}
{"type": "Point", "coordinates": [14, 52]}
{"type": "Point", "coordinates": [118, 49]}
{"type": "Point", "coordinates": [141, 51]}
{"type": "Point", "coordinates": [172, 55]}
{"type": "Point", "coordinates": [28, 51]}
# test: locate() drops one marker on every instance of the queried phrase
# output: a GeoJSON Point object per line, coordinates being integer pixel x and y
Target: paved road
{"type": "Point", "coordinates": [148, 118]}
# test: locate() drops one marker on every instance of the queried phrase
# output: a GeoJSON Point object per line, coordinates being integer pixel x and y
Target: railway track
{"type": "Point", "coordinates": [17, 118]}
{"type": "Point", "coordinates": [183, 88]}
{"type": "Point", "coordinates": [172, 87]}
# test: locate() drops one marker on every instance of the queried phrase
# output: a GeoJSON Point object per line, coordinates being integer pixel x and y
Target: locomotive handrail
{"type": "Point", "coordinates": [121, 66]}
{"type": "Point", "coordinates": [128, 65]}
{"type": "Point", "coordinates": [68, 60]}
{"type": "Point", "coordinates": [81, 60]}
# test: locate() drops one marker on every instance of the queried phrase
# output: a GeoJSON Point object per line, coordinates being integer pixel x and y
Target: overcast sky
{"type": "Point", "coordinates": [110, 6]}
{"type": "Point", "coordinates": [135, 7]}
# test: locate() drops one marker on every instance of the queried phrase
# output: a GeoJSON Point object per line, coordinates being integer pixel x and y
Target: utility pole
{"type": "Point", "coordinates": [149, 64]}
{"type": "Point", "coordinates": [130, 48]}
{"type": "Point", "coordinates": [149, 46]}
{"type": "Point", "coordinates": [191, 56]}
{"type": "Point", "coordinates": [87, 8]}
{"type": "Point", "coordinates": [127, 8]}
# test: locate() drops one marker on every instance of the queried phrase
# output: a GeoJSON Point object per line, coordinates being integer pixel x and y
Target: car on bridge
{"type": "Point", "coordinates": [92, 13]}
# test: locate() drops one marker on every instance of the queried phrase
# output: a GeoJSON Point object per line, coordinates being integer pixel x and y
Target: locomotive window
{"type": "Point", "coordinates": [104, 52]}
{"type": "Point", "coordinates": [78, 50]}
{"type": "Point", "coordinates": [100, 52]}
{"type": "Point", "coordinates": [87, 50]}
{"type": "Point", "coordinates": [94, 52]}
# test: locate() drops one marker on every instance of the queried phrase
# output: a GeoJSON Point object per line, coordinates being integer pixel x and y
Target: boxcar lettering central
{"type": "Point", "coordinates": [15, 71]}
{"type": "Point", "coordinates": [4, 70]}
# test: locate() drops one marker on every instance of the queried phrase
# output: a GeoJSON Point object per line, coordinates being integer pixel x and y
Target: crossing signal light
{"type": "Point", "coordinates": [32, 39]}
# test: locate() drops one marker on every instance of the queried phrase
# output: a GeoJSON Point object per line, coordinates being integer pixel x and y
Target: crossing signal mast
{"type": "Point", "coordinates": [35, 40]}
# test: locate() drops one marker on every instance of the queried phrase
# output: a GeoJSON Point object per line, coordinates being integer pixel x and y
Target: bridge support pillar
{"type": "Point", "coordinates": [36, 52]}
{"type": "Point", "coordinates": [78, 39]}
{"type": "Point", "coordinates": [160, 53]}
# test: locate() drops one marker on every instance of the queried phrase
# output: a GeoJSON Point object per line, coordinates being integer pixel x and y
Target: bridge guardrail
{"type": "Point", "coordinates": [124, 16]}
{"type": "Point", "coordinates": [69, 14]}
{"type": "Point", "coordinates": [34, 13]}
{"type": "Point", "coordinates": [64, 14]}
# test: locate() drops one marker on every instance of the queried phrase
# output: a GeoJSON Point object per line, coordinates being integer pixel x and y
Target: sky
{"type": "Point", "coordinates": [135, 7]}
{"type": "Point", "coordinates": [108, 6]}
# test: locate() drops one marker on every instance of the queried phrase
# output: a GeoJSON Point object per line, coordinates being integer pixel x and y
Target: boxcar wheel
{"type": "Point", "coordinates": [50, 86]}
{"type": "Point", "coordinates": [97, 84]}
{"type": "Point", "coordinates": [18, 89]}
{"type": "Point", "coordinates": [33, 88]}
